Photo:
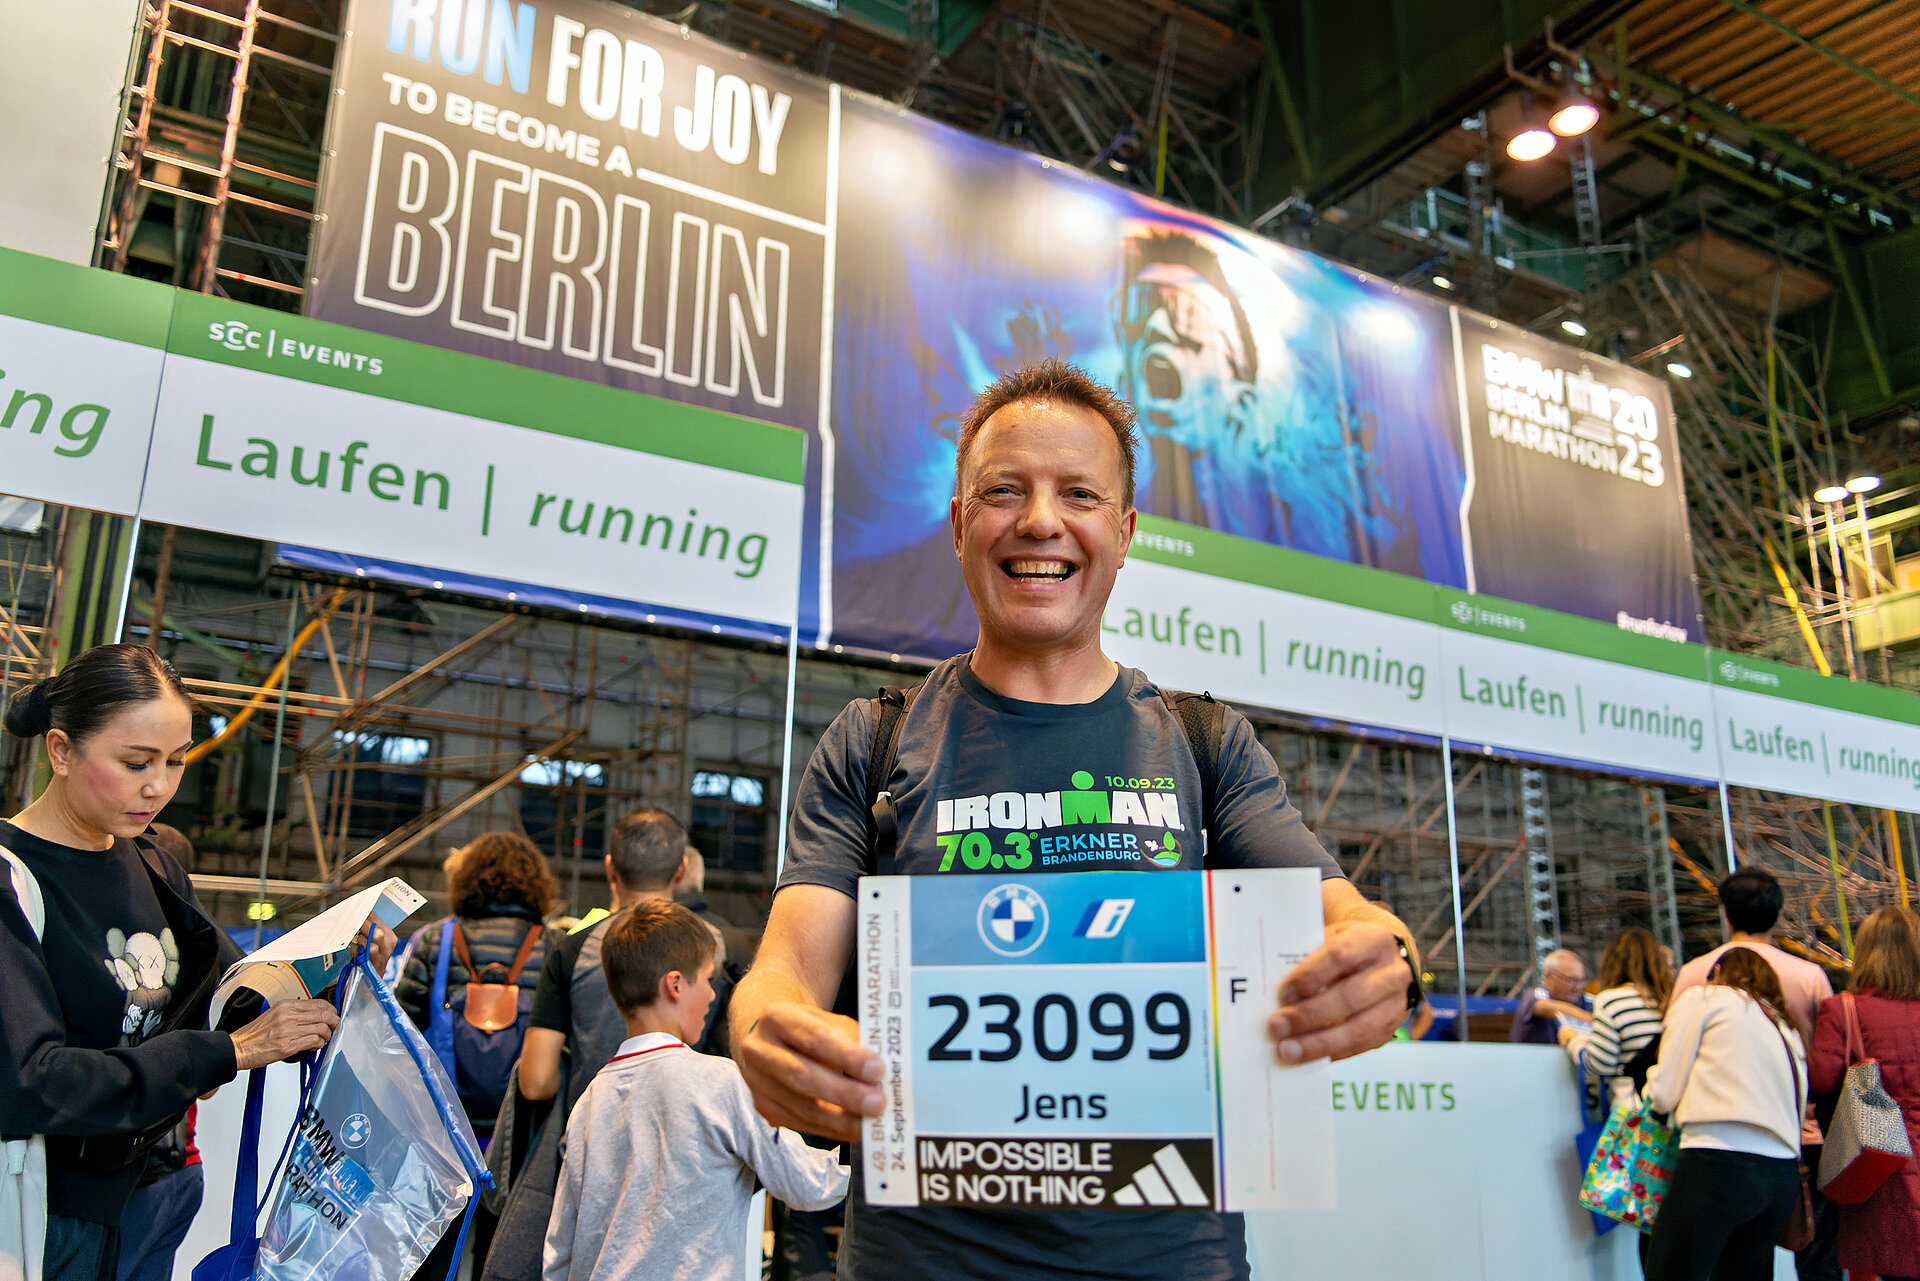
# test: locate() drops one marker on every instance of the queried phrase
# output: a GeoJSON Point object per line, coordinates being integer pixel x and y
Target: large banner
{"type": "Point", "coordinates": [390, 457]}
{"type": "Point", "coordinates": [1575, 493]}
{"type": "Point", "coordinates": [80, 356]}
{"type": "Point", "coordinates": [128, 397]}
{"type": "Point", "coordinates": [570, 185]}
{"type": "Point", "coordinates": [278, 427]}
{"type": "Point", "coordinates": [576, 188]}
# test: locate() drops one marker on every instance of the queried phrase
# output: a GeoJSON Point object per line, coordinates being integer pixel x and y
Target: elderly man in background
{"type": "Point", "coordinates": [1561, 993]}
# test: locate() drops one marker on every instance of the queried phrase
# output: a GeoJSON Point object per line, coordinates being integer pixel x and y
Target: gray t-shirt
{"type": "Point", "coordinates": [1106, 785]}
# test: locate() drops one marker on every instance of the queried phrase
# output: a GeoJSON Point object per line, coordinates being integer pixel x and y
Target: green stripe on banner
{"type": "Point", "coordinates": [84, 299]}
{"type": "Point", "coordinates": [1243, 560]}
{"type": "Point", "coordinates": [1567, 634]}
{"type": "Point", "coordinates": [315, 351]}
{"type": "Point", "coordinates": [1796, 684]}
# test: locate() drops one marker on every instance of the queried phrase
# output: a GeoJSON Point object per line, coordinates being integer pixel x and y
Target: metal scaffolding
{"type": "Point", "coordinates": [215, 184]}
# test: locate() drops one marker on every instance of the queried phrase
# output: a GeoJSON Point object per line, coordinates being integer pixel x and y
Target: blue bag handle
{"type": "Point", "coordinates": [481, 1176]}
{"type": "Point", "coordinates": [440, 1018]}
{"type": "Point", "coordinates": [235, 1260]}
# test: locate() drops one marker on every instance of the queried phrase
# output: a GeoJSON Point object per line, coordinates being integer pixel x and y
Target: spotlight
{"type": "Point", "coordinates": [1830, 494]}
{"type": "Point", "coordinates": [1863, 484]}
{"type": "Point", "coordinates": [1123, 152]}
{"type": "Point", "coordinates": [1534, 139]}
{"type": "Point", "coordinates": [1441, 282]}
{"type": "Point", "coordinates": [1679, 370]}
{"type": "Point", "coordinates": [1573, 116]}
{"type": "Point", "coordinates": [1574, 327]}
{"type": "Point", "coordinates": [260, 911]}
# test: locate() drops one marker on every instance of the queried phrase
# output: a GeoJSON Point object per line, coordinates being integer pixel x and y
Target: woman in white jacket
{"type": "Point", "coordinates": [1732, 1071]}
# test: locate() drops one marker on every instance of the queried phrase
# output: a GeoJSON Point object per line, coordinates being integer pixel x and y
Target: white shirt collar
{"type": "Point", "coordinates": [647, 1041]}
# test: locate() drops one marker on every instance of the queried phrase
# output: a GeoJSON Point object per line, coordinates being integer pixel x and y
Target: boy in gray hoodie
{"type": "Point", "coordinates": [663, 1148]}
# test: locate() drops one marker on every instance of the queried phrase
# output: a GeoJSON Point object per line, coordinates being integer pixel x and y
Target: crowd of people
{"type": "Point", "coordinates": [1746, 1048]}
{"type": "Point", "coordinates": [631, 1078]}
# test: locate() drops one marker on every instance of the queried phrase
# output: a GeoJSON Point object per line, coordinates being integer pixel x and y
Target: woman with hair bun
{"type": "Point", "coordinates": [1732, 1071]}
{"type": "Point", "coordinates": [103, 1015]}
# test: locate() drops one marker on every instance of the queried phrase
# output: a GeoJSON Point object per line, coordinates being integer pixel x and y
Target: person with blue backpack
{"type": "Point", "coordinates": [468, 982]}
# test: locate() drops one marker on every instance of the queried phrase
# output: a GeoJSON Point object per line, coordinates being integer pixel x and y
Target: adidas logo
{"type": "Point", "coordinates": [1165, 1180]}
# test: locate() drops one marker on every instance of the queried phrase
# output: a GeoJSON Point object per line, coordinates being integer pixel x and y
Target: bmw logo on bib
{"type": "Point", "coordinates": [1013, 920]}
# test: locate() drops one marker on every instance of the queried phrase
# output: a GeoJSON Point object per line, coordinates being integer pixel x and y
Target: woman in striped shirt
{"type": "Point", "coordinates": [1636, 977]}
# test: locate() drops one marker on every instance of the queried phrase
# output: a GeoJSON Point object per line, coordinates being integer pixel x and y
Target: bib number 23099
{"type": "Point", "coordinates": [1055, 1041]}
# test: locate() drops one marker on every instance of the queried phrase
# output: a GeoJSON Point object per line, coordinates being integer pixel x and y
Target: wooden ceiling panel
{"type": "Point", "coordinates": [1841, 75]}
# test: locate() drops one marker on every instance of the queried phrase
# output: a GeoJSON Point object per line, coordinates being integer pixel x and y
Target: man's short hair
{"type": "Point", "coordinates": [647, 942]}
{"type": "Point", "coordinates": [1752, 900]}
{"type": "Point", "coordinates": [1052, 379]}
{"type": "Point", "coordinates": [646, 847]}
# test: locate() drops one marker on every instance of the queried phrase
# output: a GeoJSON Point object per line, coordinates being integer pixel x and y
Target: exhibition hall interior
{"type": "Point", "coordinates": [507, 416]}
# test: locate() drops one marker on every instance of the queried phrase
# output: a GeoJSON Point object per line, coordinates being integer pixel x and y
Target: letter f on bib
{"type": "Point", "coordinates": [1104, 919]}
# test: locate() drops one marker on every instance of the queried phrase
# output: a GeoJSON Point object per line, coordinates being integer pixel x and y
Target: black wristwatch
{"type": "Point", "coordinates": [1416, 991]}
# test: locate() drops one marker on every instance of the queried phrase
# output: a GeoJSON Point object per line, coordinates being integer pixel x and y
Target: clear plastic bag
{"type": "Point", "coordinates": [382, 1160]}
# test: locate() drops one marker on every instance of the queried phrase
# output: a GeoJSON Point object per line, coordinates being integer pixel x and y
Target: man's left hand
{"type": "Point", "coordinates": [1344, 999]}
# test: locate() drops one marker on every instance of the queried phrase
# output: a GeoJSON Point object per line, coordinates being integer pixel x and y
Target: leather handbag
{"type": "Point", "coordinates": [1796, 1234]}
{"type": "Point", "coordinates": [1867, 1141]}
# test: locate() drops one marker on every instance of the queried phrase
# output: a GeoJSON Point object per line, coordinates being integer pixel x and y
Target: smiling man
{"type": "Point", "coordinates": [1042, 517]}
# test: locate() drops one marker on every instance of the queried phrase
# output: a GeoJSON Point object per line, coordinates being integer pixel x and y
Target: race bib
{"type": "Point", "coordinates": [1092, 1040]}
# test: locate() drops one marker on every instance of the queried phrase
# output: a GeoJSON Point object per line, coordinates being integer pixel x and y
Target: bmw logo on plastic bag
{"type": "Point", "coordinates": [355, 1129]}
{"type": "Point", "coordinates": [1013, 920]}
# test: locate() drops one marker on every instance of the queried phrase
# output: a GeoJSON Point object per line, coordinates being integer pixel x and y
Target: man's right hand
{"type": "Point", "coordinates": [809, 1072]}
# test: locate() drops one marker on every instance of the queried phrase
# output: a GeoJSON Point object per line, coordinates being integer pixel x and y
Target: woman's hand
{"type": "Point", "coordinates": [383, 943]}
{"type": "Point", "coordinates": [287, 1030]}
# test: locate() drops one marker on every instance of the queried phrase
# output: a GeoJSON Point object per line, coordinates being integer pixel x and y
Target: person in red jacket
{"type": "Point", "coordinates": [1880, 1236]}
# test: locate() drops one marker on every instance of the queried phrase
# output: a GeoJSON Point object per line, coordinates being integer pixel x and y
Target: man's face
{"type": "Point", "coordinates": [1563, 984]}
{"type": "Point", "coordinates": [1180, 362]}
{"type": "Point", "coordinates": [1040, 524]}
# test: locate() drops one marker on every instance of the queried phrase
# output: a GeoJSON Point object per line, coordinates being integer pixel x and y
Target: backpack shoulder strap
{"type": "Point", "coordinates": [520, 958]}
{"type": "Point", "coordinates": [439, 1016]}
{"type": "Point", "coordinates": [1203, 719]}
{"type": "Point", "coordinates": [26, 888]}
{"type": "Point", "coordinates": [883, 831]}
{"type": "Point", "coordinates": [460, 950]}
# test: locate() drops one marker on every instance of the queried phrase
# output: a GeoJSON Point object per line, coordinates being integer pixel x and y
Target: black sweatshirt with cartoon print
{"type": "Point", "coordinates": [103, 1022]}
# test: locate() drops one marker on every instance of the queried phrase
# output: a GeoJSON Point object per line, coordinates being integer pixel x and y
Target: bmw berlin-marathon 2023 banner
{"type": "Point", "coordinates": [583, 189]}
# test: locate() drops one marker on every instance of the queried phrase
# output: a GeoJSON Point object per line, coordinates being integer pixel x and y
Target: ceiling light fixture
{"type": "Point", "coordinates": [1441, 282]}
{"type": "Point", "coordinates": [1830, 494]}
{"type": "Point", "coordinates": [1679, 370]}
{"type": "Point", "coordinates": [1574, 327]}
{"type": "Point", "coordinates": [1863, 484]}
{"type": "Point", "coordinates": [1573, 115]}
{"type": "Point", "coordinates": [1534, 139]}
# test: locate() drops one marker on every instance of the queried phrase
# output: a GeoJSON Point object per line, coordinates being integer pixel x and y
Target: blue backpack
{"type": "Point", "coordinates": [478, 1030]}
